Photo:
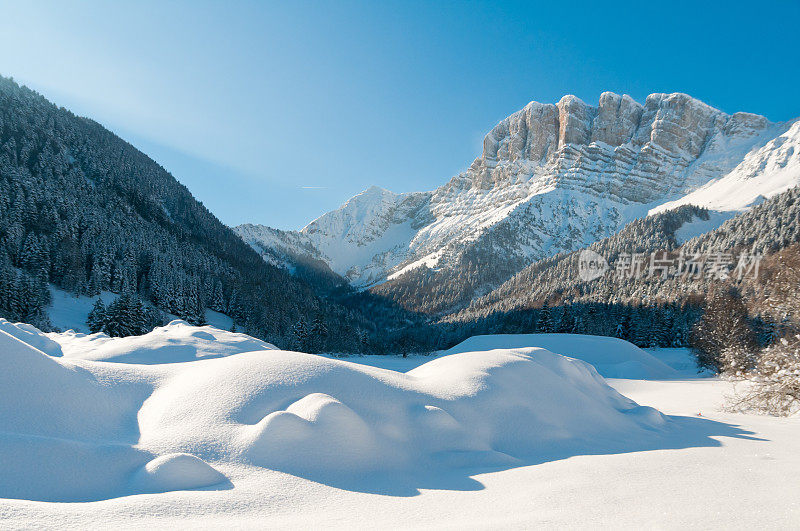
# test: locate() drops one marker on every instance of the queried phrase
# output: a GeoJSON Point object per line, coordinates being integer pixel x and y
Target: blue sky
{"type": "Point", "coordinates": [277, 112]}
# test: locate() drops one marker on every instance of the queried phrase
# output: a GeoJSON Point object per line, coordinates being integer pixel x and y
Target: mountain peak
{"type": "Point", "coordinates": [570, 99]}
{"type": "Point", "coordinates": [551, 178]}
{"type": "Point", "coordinates": [374, 191]}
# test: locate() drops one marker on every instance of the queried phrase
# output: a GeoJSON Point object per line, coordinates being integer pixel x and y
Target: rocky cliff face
{"type": "Point", "coordinates": [551, 178]}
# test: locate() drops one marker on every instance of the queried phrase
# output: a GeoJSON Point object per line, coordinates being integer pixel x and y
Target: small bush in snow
{"type": "Point", "coordinates": [774, 385]}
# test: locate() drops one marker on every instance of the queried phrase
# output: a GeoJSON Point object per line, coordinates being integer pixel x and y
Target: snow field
{"type": "Point", "coordinates": [480, 440]}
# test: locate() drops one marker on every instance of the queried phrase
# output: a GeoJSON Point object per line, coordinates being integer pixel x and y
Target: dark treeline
{"type": "Point", "coordinates": [663, 325]}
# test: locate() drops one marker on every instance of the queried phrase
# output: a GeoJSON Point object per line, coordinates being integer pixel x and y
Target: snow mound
{"type": "Point", "coordinates": [310, 415]}
{"type": "Point", "coordinates": [318, 425]}
{"type": "Point", "coordinates": [83, 430]}
{"type": "Point", "coordinates": [32, 336]}
{"type": "Point", "coordinates": [43, 397]}
{"type": "Point", "coordinates": [176, 472]}
{"type": "Point", "coordinates": [66, 433]}
{"type": "Point", "coordinates": [176, 342]}
{"type": "Point", "coordinates": [612, 357]}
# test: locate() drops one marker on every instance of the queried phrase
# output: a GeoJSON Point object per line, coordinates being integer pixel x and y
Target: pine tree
{"type": "Point", "coordinates": [566, 324]}
{"type": "Point", "coordinates": [318, 334]}
{"type": "Point", "coordinates": [301, 337]}
{"type": "Point", "coordinates": [363, 341]}
{"type": "Point", "coordinates": [591, 323]}
{"type": "Point", "coordinates": [545, 323]}
{"type": "Point", "coordinates": [667, 336]}
{"type": "Point", "coordinates": [623, 330]}
{"type": "Point", "coordinates": [96, 320]}
{"type": "Point", "coordinates": [128, 316]}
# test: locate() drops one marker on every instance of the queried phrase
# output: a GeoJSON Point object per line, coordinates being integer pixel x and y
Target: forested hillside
{"type": "Point", "coordinates": [649, 309]}
{"type": "Point", "coordinates": [84, 210]}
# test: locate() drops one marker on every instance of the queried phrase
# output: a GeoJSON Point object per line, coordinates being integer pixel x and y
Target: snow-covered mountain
{"type": "Point", "coordinates": [763, 173]}
{"type": "Point", "coordinates": [551, 178]}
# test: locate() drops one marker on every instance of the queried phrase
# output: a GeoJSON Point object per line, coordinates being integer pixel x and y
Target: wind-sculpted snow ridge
{"type": "Point", "coordinates": [79, 430]}
{"type": "Point", "coordinates": [551, 178]}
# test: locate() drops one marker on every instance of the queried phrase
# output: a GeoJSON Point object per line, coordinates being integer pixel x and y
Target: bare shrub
{"type": "Point", "coordinates": [773, 387]}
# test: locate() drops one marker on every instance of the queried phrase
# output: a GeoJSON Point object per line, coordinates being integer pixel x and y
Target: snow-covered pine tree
{"type": "Point", "coordinates": [318, 334]}
{"type": "Point", "coordinates": [623, 330]}
{"type": "Point", "coordinates": [566, 324]}
{"type": "Point", "coordinates": [301, 337]}
{"type": "Point", "coordinates": [545, 323]}
{"type": "Point", "coordinates": [96, 319]}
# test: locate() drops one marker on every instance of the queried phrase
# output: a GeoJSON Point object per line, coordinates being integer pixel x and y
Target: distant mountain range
{"type": "Point", "coordinates": [551, 179]}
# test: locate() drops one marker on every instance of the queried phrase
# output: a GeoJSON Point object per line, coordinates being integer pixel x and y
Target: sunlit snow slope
{"type": "Point", "coordinates": [763, 173]}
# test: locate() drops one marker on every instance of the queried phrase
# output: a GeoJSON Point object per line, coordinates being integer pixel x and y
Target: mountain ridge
{"type": "Point", "coordinates": [551, 178]}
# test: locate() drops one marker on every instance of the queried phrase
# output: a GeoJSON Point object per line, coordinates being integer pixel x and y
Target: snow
{"type": "Point", "coordinates": [176, 342]}
{"type": "Point", "coordinates": [697, 227]}
{"type": "Point", "coordinates": [218, 320]}
{"type": "Point", "coordinates": [429, 261]}
{"type": "Point", "coordinates": [763, 173]}
{"type": "Point", "coordinates": [169, 426]}
{"type": "Point", "coordinates": [393, 362]}
{"type": "Point", "coordinates": [511, 437]}
{"type": "Point", "coordinates": [612, 357]}
{"type": "Point", "coordinates": [176, 472]}
{"type": "Point", "coordinates": [335, 421]}
{"type": "Point", "coordinates": [69, 311]}
{"type": "Point", "coordinates": [680, 359]}
{"type": "Point", "coordinates": [32, 336]}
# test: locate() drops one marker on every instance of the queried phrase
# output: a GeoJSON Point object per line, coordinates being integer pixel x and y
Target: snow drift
{"type": "Point", "coordinates": [32, 336]}
{"type": "Point", "coordinates": [78, 429]}
{"type": "Point", "coordinates": [65, 433]}
{"type": "Point", "coordinates": [176, 342]}
{"type": "Point", "coordinates": [612, 357]}
{"type": "Point", "coordinates": [304, 414]}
